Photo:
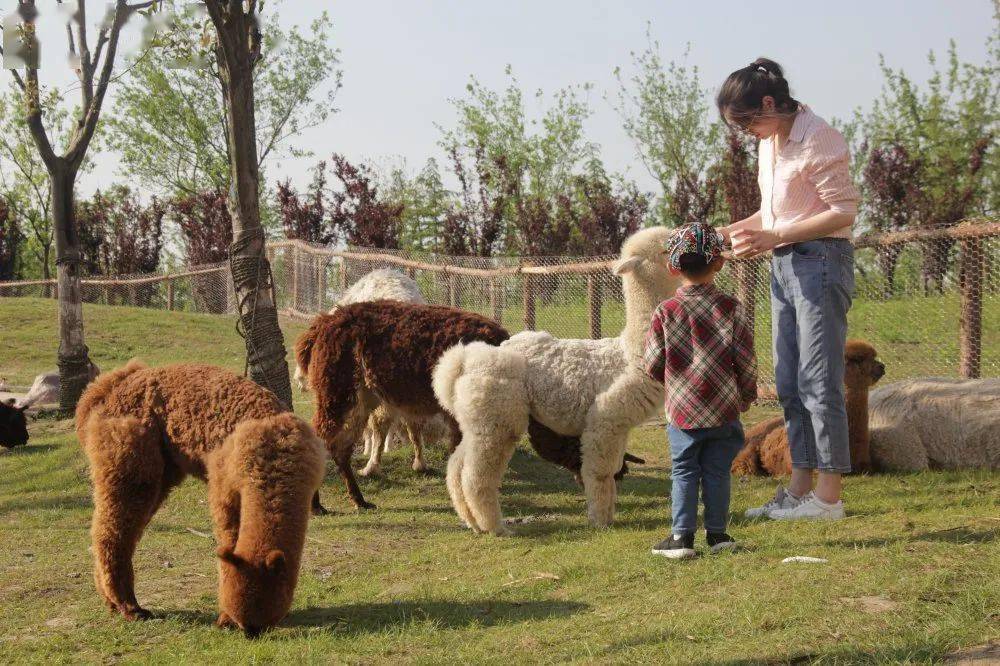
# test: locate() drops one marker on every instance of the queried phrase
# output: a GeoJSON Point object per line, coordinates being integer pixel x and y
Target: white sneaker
{"type": "Point", "coordinates": [810, 508]}
{"type": "Point", "coordinates": [782, 500]}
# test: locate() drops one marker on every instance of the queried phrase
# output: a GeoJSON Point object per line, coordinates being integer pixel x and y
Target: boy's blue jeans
{"type": "Point", "coordinates": [702, 456]}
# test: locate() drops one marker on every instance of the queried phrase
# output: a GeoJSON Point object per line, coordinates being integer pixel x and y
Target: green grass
{"type": "Point", "coordinates": [911, 575]}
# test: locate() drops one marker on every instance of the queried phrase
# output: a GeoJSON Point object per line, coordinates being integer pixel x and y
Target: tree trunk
{"type": "Point", "coordinates": [74, 364]}
{"type": "Point", "coordinates": [251, 271]}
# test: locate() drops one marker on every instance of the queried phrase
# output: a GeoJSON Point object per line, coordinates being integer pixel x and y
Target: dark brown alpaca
{"type": "Point", "coordinates": [13, 425]}
{"type": "Point", "coordinates": [382, 352]}
{"type": "Point", "coordinates": [145, 429]}
{"type": "Point", "coordinates": [766, 449]}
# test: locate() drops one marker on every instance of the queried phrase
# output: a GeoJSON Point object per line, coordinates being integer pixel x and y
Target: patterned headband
{"type": "Point", "coordinates": [698, 238]}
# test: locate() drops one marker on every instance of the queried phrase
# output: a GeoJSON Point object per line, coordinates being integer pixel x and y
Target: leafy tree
{"type": "Point", "coordinates": [170, 124]}
{"type": "Point", "coordinates": [304, 217]}
{"type": "Point", "coordinates": [118, 234]}
{"type": "Point", "coordinates": [206, 228]}
{"type": "Point", "coordinates": [10, 244]}
{"type": "Point", "coordinates": [512, 171]}
{"type": "Point", "coordinates": [609, 211]}
{"type": "Point", "coordinates": [24, 179]}
{"type": "Point", "coordinates": [665, 113]}
{"type": "Point", "coordinates": [425, 202]}
{"type": "Point", "coordinates": [94, 70]}
{"type": "Point", "coordinates": [359, 213]}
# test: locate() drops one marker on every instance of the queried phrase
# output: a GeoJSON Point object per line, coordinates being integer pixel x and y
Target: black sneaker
{"type": "Point", "coordinates": [720, 541]}
{"type": "Point", "coordinates": [676, 549]}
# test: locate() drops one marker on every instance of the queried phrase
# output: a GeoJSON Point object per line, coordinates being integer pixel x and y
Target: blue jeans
{"type": "Point", "coordinates": [702, 456]}
{"type": "Point", "coordinates": [811, 288]}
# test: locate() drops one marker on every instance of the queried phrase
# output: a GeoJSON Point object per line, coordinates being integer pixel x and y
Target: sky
{"type": "Point", "coordinates": [404, 59]}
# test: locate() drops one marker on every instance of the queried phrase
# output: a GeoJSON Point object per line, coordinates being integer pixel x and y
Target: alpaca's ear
{"type": "Point", "coordinates": [226, 554]}
{"type": "Point", "coordinates": [626, 265]}
{"type": "Point", "coordinates": [275, 561]}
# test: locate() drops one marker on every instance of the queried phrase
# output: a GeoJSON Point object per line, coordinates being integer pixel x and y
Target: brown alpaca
{"type": "Point", "coordinates": [382, 353]}
{"type": "Point", "coordinates": [145, 429]}
{"type": "Point", "coordinates": [766, 449]}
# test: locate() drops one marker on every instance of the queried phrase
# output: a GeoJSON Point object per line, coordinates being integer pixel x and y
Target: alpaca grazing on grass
{"type": "Point", "coordinates": [594, 390]}
{"type": "Point", "coordinates": [13, 424]}
{"type": "Point", "coordinates": [936, 423]}
{"type": "Point", "coordinates": [382, 427]}
{"type": "Point", "coordinates": [145, 429]}
{"type": "Point", "coordinates": [382, 353]}
{"type": "Point", "coordinates": [766, 449]}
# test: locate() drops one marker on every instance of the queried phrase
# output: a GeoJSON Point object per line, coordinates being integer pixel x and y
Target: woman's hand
{"type": "Point", "coordinates": [748, 243]}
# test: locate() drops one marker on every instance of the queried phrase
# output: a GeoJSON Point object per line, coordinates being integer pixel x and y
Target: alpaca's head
{"type": "Point", "coordinates": [643, 257]}
{"type": "Point", "coordinates": [862, 369]}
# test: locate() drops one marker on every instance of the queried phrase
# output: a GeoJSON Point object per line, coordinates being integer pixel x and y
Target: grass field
{"type": "Point", "coordinates": [911, 574]}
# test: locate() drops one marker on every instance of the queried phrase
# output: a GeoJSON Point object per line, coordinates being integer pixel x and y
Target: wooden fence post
{"type": "Point", "coordinates": [320, 283]}
{"type": "Point", "coordinates": [970, 278]}
{"type": "Point", "coordinates": [594, 298]}
{"type": "Point", "coordinates": [453, 296]}
{"type": "Point", "coordinates": [295, 277]}
{"type": "Point", "coordinates": [170, 293]}
{"type": "Point", "coordinates": [528, 300]}
{"type": "Point", "coordinates": [496, 300]}
{"type": "Point", "coordinates": [343, 274]}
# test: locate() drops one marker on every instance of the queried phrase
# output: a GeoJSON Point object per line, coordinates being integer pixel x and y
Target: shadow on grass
{"type": "Point", "coordinates": [29, 450]}
{"type": "Point", "coordinates": [958, 535]}
{"type": "Point", "coordinates": [369, 618]}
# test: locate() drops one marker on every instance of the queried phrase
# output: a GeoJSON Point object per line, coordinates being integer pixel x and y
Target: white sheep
{"type": "Point", "coordinates": [935, 423]}
{"type": "Point", "coordinates": [594, 389]}
{"type": "Point", "coordinates": [382, 427]}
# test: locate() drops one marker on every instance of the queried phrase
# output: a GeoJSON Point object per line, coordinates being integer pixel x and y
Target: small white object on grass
{"type": "Point", "coordinates": [804, 558]}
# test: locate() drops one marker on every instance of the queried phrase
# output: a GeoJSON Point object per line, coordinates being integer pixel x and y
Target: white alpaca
{"type": "Point", "coordinates": [383, 427]}
{"type": "Point", "coordinates": [594, 389]}
{"type": "Point", "coordinates": [935, 423]}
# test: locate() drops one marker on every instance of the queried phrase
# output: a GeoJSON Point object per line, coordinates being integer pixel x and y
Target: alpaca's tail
{"type": "Point", "coordinates": [99, 389]}
{"type": "Point", "coordinates": [465, 374]}
{"type": "Point", "coordinates": [303, 352]}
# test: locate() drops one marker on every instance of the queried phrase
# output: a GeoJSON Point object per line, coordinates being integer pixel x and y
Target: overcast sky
{"type": "Point", "coordinates": [404, 59]}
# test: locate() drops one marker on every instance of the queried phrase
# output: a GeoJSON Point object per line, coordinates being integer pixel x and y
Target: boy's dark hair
{"type": "Point", "coordinates": [694, 266]}
{"type": "Point", "coordinates": [742, 94]}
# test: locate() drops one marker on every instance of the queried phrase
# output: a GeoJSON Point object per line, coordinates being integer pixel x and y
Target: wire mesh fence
{"type": "Point", "coordinates": [927, 299]}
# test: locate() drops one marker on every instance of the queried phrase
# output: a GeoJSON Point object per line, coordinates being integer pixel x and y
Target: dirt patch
{"type": "Point", "coordinates": [979, 655]}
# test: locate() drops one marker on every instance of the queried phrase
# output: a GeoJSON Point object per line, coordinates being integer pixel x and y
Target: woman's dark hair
{"type": "Point", "coordinates": [742, 95]}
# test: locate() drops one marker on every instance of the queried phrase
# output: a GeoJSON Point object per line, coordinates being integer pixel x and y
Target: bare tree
{"type": "Point", "coordinates": [94, 74]}
{"type": "Point", "coordinates": [238, 51]}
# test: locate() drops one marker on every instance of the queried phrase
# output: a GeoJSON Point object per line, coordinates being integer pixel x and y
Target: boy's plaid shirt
{"type": "Point", "coordinates": [700, 347]}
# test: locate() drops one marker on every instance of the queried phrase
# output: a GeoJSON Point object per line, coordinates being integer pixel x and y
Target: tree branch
{"type": "Point", "coordinates": [33, 117]}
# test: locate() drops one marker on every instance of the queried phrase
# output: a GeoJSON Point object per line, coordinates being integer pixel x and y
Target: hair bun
{"type": "Point", "coordinates": [769, 66]}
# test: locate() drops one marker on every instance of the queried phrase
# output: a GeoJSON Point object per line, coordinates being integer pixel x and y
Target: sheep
{"type": "Point", "coordinates": [382, 427]}
{"type": "Point", "coordinates": [592, 389]}
{"type": "Point", "coordinates": [936, 423]}
{"type": "Point", "coordinates": [13, 424]}
{"type": "Point", "coordinates": [766, 450]}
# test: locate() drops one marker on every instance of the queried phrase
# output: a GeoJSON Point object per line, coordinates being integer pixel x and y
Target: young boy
{"type": "Point", "coordinates": [700, 347]}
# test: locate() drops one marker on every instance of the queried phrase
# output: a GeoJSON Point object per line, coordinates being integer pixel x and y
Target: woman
{"type": "Point", "coordinates": [808, 205]}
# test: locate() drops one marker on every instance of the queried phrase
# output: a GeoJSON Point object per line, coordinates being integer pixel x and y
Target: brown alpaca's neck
{"type": "Point", "coordinates": [857, 416]}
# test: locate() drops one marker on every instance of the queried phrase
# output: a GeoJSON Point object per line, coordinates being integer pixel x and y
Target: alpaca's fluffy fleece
{"type": "Point", "coordinates": [145, 429]}
{"type": "Point", "coordinates": [380, 352]}
{"type": "Point", "coordinates": [382, 426]}
{"type": "Point", "coordinates": [936, 423]}
{"type": "Point", "coordinates": [766, 449]}
{"type": "Point", "coordinates": [13, 425]}
{"type": "Point", "coordinates": [594, 389]}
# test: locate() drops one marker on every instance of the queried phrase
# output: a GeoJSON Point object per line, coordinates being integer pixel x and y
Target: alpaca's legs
{"type": "Point", "coordinates": [454, 483]}
{"type": "Point", "coordinates": [484, 464]}
{"type": "Point", "coordinates": [129, 486]}
{"type": "Point", "coordinates": [414, 430]}
{"type": "Point", "coordinates": [602, 447]}
{"type": "Point", "coordinates": [375, 433]}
